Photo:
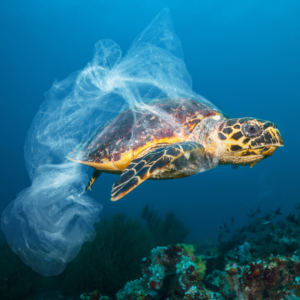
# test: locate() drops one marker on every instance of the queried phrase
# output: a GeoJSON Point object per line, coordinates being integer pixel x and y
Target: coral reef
{"type": "Point", "coordinates": [171, 272]}
{"type": "Point", "coordinates": [274, 277]}
{"type": "Point", "coordinates": [259, 261]}
{"type": "Point", "coordinates": [175, 272]}
{"type": "Point", "coordinates": [93, 296]}
{"type": "Point", "coordinates": [244, 253]}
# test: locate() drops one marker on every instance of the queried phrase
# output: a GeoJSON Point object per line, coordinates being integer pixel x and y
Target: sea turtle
{"type": "Point", "coordinates": [173, 138]}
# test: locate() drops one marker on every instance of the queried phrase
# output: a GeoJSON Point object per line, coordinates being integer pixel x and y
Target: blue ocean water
{"type": "Point", "coordinates": [243, 57]}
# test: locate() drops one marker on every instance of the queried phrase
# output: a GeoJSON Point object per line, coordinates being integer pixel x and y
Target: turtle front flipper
{"type": "Point", "coordinates": [94, 177]}
{"type": "Point", "coordinates": [142, 168]}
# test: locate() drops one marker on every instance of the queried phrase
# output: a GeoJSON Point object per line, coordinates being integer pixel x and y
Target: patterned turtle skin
{"type": "Point", "coordinates": [173, 138]}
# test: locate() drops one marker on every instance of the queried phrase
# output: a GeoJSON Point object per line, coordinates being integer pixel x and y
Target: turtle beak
{"type": "Point", "coordinates": [267, 143]}
{"type": "Point", "coordinates": [276, 139]}
{"type": "Point", "coordinates": [273, 140]}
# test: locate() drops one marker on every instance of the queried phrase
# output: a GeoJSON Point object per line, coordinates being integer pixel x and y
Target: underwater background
{"type": "Point", "coordinates": [243, 56]}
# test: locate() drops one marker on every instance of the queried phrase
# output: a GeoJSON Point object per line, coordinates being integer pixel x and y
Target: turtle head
{"type": "Point", "coordinates": [247, 141]}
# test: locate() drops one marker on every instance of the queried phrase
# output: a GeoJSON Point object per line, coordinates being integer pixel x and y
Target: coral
{"type": "Point", "coordinates": [137, 290]}
{"type": "Point", "coordinates": [188, 249]}
{"type": "Point", "coordinates": [221, 282]}
{"type": "Point", "coordinates": [274, 277]}
{"type": "Point", "coordinates": [175, 272]}
{"type": "Point", "coordinates": [194, 294]}
{"type": "Point", "coordinates": [199, 263]}
{"type": "Point", "coordinates": [93, 296]}
{"type": "Point", "coordinates": [244, 253]}
{"type": "Point", "coordinates": [171, 272]}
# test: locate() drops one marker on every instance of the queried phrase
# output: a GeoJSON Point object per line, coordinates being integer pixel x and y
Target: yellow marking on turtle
{"type": "Point", "coordinates": [129, 156]}
{"type": "Point", "coordinates": [104, 165]}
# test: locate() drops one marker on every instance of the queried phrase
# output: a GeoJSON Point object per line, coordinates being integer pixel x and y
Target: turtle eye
{"type": "Point", "coordinates": [251, 130]}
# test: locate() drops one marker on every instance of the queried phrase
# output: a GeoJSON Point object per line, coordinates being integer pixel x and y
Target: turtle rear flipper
{"type": "Point", "coordinates": [142, 168]}
{"type": "Point", "coordinates": [94, 177]}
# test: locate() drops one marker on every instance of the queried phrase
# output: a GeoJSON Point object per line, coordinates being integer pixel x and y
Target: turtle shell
{"type": "Point", "coordinates": [139, 129]}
